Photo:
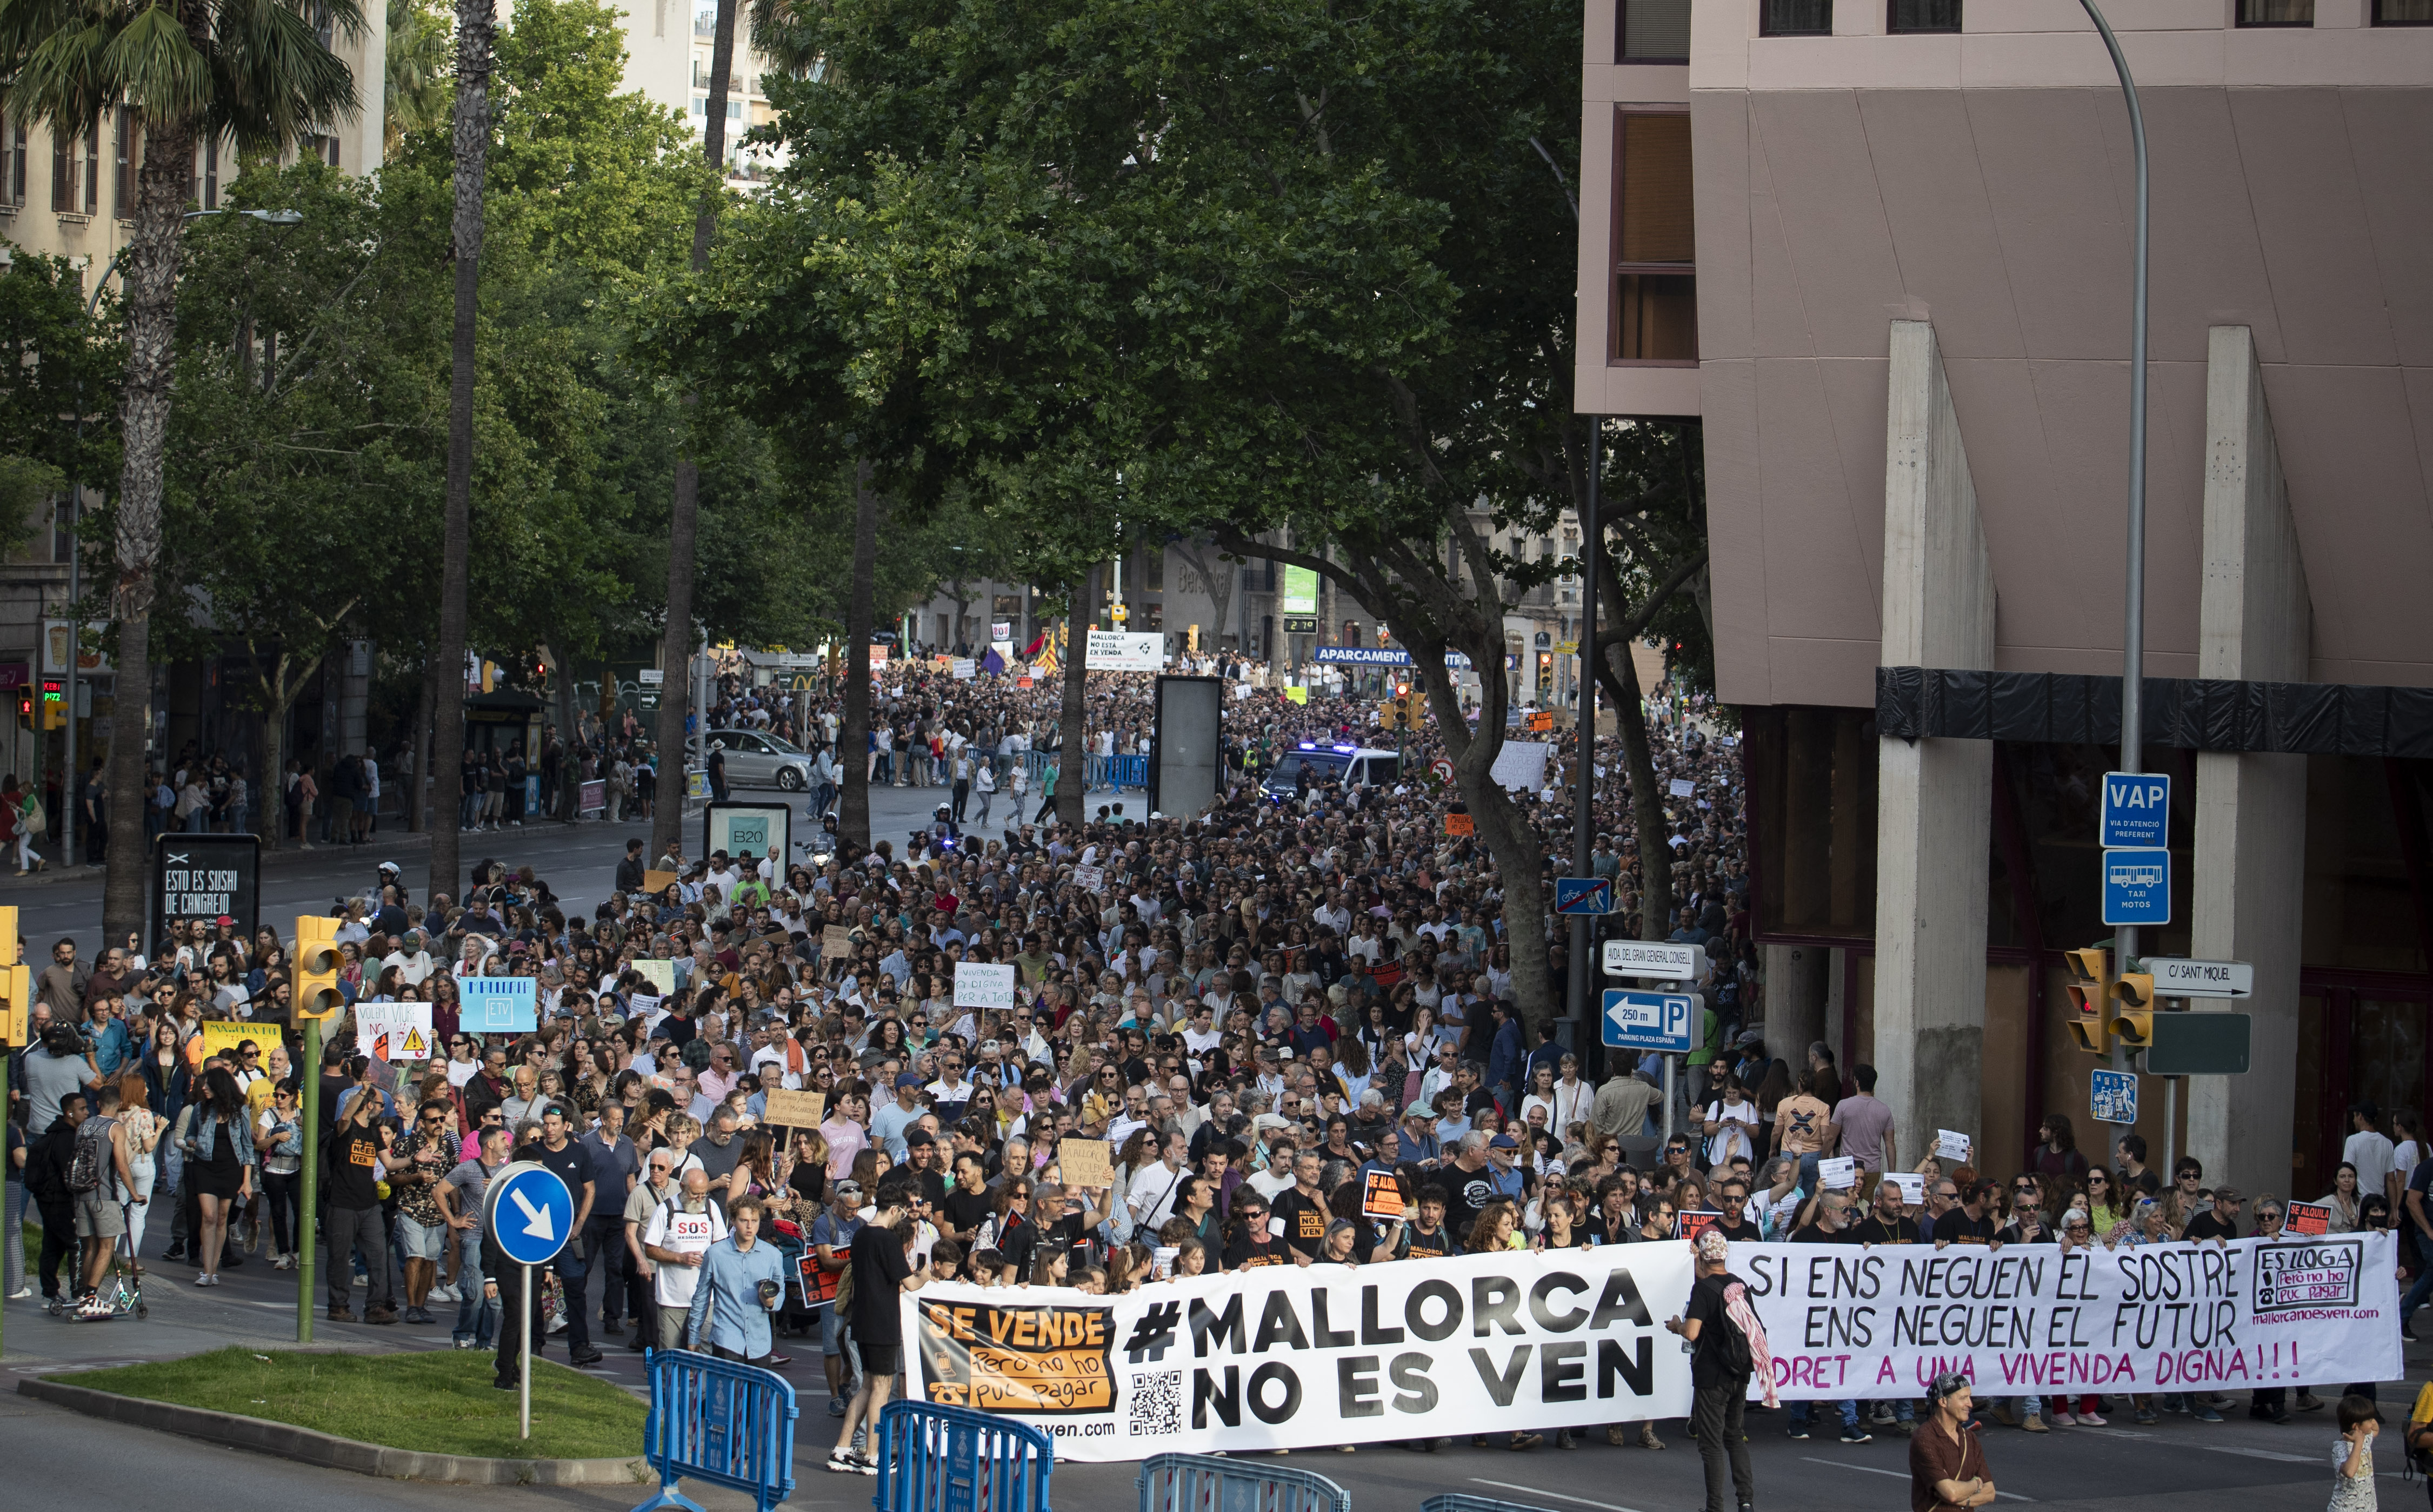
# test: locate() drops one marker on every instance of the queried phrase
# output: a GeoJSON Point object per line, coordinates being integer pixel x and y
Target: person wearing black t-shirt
{"type": "Point", "coordinates": [922, 1166]}
{"type": "Point", "coordinates": [970, 1203]}
{"type": "Point", "coordinates": [1886, 1223]}
{"type": "Point", "coordinates": [1427, 1238]}
{"type": "Point", "coordinates": [559, 1152]}
{"type": "Point", "coordinates": [1248, 1244]}
{"type": "Point", "coordinates": [1735, 1225]}
{"type": "Point", "coordinates": [2221, 1221]}
{"type": "Point", "coordinates": [1829, 1218]}
{"type": "Point", "coordinates": [882, 1272]}
{"type": "Point", "coordinates": [1303, 1208]}
{"type": "Point", "coordinates": [1971, 1222]}
{"type": "Point", "coordinates": [1067, 1221]}
{"type": "Point", "coordinates": [1719, 1394]}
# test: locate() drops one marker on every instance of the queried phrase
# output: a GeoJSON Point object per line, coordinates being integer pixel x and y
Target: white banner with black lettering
{"type": "Point", "coordinates": [2030, 1320]}
{"type": "Point", "coordinates": [1287, 1357]}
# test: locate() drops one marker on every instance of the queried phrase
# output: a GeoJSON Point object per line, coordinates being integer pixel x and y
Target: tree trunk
{"type": "Point", "coordinates": [1618, 673]}
{"type": "Point", "coordinates": [151, 318]}
{"type": "Point", "coordinates": [684, 516]}
{"type": "Point", "coordinates": [273, 796]}
{"type": "Point", "coordinates": [476, 30]}
{"type": "Point", "coordinates": [853, 737]}
{"type": "Point", "coordinates": [1073, 762]}
{"type": "Point", "coordinates": [562, 699]}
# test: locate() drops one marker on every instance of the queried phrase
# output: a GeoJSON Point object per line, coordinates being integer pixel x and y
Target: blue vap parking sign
{"type": "Point", "coordinates": [2136, 810]}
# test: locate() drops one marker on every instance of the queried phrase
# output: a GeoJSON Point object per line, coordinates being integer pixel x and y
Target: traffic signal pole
{"type": "Point", "coordinates": [307, 1190]}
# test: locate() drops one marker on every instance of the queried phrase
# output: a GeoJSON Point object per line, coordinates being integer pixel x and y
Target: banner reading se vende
{"type": "Point", "coordinates": [1293, 1358]}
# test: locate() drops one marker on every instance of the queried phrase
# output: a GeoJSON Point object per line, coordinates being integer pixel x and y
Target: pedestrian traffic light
{"type": "Point", "coordinates": [55, 704]}
{"type": "Point", "coordinates": [2090, 991]}
{"type": "Point", "coordinates": [317, 967]}
{"type": "Point", "coordinates": [2132, 1015]}
{"type": "Point", "coordinates": [16, 983]}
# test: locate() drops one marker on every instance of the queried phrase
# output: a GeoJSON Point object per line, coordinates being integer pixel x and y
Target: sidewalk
{"type": "Point", "coordinates": [382, 845]}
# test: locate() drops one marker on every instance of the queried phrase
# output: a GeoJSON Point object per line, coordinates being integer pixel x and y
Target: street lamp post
{"type": "Point", "coordinates": [68, 779]}
{"type": "Point", "coordinates": [2133, 671]}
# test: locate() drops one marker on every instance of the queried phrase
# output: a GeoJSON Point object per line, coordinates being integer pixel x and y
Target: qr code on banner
{"type": "Point", "coordinates": [1157, 1404]}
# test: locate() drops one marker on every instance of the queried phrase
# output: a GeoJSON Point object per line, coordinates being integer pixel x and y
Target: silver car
{"type": "Point", "coordinates": [757, 759]}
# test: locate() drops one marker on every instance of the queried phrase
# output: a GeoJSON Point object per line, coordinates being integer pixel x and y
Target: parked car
{"type": "Point", "coordinates": [757, 759]}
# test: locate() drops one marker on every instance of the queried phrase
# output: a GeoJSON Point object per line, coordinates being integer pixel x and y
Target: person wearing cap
{"type": "Point", "coordinates": [2221, 1221]}
{"type": "Point", "coordinates": [1720, 1392]}
{"type": "Point", "coordinates": [1947, 1461]}
{"type": "Point", "coordinates": [1504, 1176]}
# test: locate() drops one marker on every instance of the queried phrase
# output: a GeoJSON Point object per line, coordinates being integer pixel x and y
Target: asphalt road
{"type": "Point", "coordinates": [579, 862]}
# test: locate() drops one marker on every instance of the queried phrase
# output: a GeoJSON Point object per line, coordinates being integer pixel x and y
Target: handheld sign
{"type": "Point", "coordinates": [528, 1213]}
{"type": "Point", "coordinates": [1696, 1222]}
{"type": "Point", "coordinates": [1839, 1172]}
{"type": "Point", "coordinates": [1950, 1145]}
{"type": "Point", "coordinates": [1086, 1162]}
{"type": "Point", "coordinates": [978, 984]}
{"type": "Point", "coordinates": [498, 1005]}
{"type": "Point", "coordinates": [2309, 1218]}
{"type": "Point", "coordinates": [796, 1110]}
{"type": "Point", "coordinates": [1913, 1188]}
{"type": "Point", "coordinates": [1380, 1195]}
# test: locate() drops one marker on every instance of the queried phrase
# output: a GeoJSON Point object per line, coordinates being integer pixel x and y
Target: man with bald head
{"type": "Point", "coordinates": [680, 1231]}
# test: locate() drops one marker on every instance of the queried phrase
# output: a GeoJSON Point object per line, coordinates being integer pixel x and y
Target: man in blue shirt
{"type": "Point", "coordinates": [741, 1281]}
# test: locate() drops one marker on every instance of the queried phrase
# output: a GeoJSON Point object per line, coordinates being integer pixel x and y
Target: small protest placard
{"type": "Point", "coordinates": [1696, 1222]}
{"type": "Point", "coordinates": [2309, 1218]}
{"type": "Point", "coordinates": [1085, 1163]}
{"type": "Point", "coordinates": [1950, 1145]}
{"type": "Point", "coordinates": [1913, 1188]}
{"type": "Point", "coordinates": [982, 985]}
{"type": "Point", "coordinates": [1839, 1174]}
{"type": "Point", "coordinates": [658, 881]}
{"type": "Point", "coordinates": [1380, 1195]}
{"type": "Point", "coordinates": [835, 941]}
{"type": "Point", "coordinates": [1681, 787]}
{"type": "Point", "coordinates": [659, 974]}
{"type": "Point", "coordinates": [796, 1110]}
{"type": "Point", "coordinates": [1090, 879]}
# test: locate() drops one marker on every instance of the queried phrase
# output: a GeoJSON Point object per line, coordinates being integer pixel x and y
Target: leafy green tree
{"type": "Point", "coordinates": [414, 93]}
{"type": "Point", "coordinates": [253, 70]}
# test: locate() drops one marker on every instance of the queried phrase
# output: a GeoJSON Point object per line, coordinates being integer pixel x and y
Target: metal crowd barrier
{"type": "Point", "coordinates": [1459, 1502]}
{"type": "Point", "coordinates": [718, 1420]}
{"type": "Point", "coordinates": [1205, 1483]}
{"type": "Point", "coordinates": [955, 1459]}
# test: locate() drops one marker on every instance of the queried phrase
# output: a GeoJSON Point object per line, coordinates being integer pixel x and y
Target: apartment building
{"type": "Point", "coordinates": [1881, 249]}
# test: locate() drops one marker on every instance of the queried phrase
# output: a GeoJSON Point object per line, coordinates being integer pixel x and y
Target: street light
{"type": "Point", "coordinates": [69, 783]}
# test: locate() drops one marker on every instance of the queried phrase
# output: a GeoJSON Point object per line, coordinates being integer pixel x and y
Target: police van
{"type": "Point", "coordinates": [1331, 766]}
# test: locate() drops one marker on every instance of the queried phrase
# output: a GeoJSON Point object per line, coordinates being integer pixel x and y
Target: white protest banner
{"type": "Point", "coordinates": [980, 985]}
{"type": "Point", "coordinates": [1118, 651]}
{"type": "Point", "coordinates": [393, 1031]}
{"type": "Point", "coordinates": [1282, 1357]}
{"type": "Point", "coordinates": [2028, 1319]}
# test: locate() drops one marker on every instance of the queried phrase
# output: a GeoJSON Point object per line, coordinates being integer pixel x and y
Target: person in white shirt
{"type": "Point", "coordinates": [2370, 1151]}
{"type": "Point", "coordinates": [678, 1234]}
{"type": "Point", "coordinates": [413, 966]}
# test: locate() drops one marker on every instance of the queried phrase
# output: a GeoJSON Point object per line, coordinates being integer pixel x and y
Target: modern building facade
{"type": "Point", "coordinates": [1881, 249]}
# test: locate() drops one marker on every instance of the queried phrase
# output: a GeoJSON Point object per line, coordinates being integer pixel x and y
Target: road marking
{"type": "Point", "coordinates": [1898, 1475]}
{"type": "Point", "coordinates": [1552, 1495]}
{"type": "Point", "coordinates": [2117, 1433]}
{"type": "Point", "coordinates": [2260, 1453]}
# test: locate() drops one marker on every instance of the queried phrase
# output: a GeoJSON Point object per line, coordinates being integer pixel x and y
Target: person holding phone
{"type": "Point", "coordinates": [741, 1281]}
{"type": "Point", "coordinates": [882, 1272]}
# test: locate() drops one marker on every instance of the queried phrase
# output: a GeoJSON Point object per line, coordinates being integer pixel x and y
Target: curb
{"type": "Point", "coordinates": [287, 1441]}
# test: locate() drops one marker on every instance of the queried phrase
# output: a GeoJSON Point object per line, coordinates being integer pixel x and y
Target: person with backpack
{"type": "Point", "coordinates": [48, 1160]}
{"type": "Point", "coordinates": [1727, 1347]}
{"type": "Point", "coordinates": [102, 1181]}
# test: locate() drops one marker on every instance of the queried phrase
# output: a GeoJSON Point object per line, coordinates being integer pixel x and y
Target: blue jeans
{"type": "Point", "coordinates": [2416, 1294]}
{"type": "Point", "coordinates": [1801, 1410]}
{"type": "Point", "coordinates": [477, 1318]}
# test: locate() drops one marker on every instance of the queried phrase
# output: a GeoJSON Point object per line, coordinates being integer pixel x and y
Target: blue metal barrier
{"type": "Point", "coordinates": [955, 1459]}
{"type": "Point", "coordinates": [1127, 771]}
{"type": "Point", "coordinates": [1204, 1483]}
{"type": "Point", "coordinates": [1459, 1502]}
{"type": "Point", "coordinates": [720, 1421]}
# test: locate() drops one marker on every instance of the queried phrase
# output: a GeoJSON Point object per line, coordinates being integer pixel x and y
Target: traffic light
{"type": "Point", "coordinates": [2091, 994]}
{"type": "Point", "coordinates": [55, 704]}
{"type": "Point", "coordinates": [1415, 709]}
{"type": "Point", "coordinates": [317, 967]}
{"type": "Point", "coordinates": [16, 983]}
{"type": "Point", "coordinates": [2132, 1015]}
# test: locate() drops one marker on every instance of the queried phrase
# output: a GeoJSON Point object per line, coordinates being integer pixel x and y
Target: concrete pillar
{"type": "Point", "coordinates": [2248, 903]}
{"type": "Point", "coordinates": [1795, 998]}
{"type": "Point", "coordinates": [1935, 797]}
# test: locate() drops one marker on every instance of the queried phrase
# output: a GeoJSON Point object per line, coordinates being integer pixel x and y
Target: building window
{"type": "Point", "coordinates": [122, 183]}
{"type": "Point", "coordinates": [1924, 15]}
{"type": "Point", "coordinates": [1653, 31]}
{"type": "Point", "coordinates": [2276, 13]}
{"type": "Point", "coordinates": [2403, 13]}
{"type": "Point", "coordinates": [210, 194]}
{"type": "Point", "coordinates": [12, 168]}
{"type": "Point", "coordinates": [1795, 18]}
{"type": "Point", "coordinates": [1652, 313]}
{"type": "Point", "coordinates": [76, 177]}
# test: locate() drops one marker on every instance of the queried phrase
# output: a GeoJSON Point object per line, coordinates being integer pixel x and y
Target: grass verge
{"type": "Point", "coordinates": [439, 1402]}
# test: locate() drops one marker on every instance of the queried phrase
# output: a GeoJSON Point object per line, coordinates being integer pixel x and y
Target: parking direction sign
{"type": "Point", "coordinates": [528, 1211]}
{"type": "Point", "coordinates": [2136, 810]}
{"type": "Point", "coordinates": [1650, 1021]}
{"type": "Point", "coordinates": [2112, 1095]}
{"type": "Point", "coordinates": [2138, 886]}
{"type": "Point", "coordinates": [1583, 894]}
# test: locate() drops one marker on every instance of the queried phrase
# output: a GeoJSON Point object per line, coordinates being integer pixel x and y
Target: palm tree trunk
{"type": "Point", "coordinates": [151, 317]}
{"type": "Point", "coordinates": [684, 514]}
{"type": "Point", "coordinates": [476, 30]}
{"type": "Point", "coordinates": [853, 737]}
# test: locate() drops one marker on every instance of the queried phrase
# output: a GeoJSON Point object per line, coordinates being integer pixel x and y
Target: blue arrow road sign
{"type": "Point", "coordinates": [529, 1210]}
{"type": "Point", "coordinates": [1650, 1021]}
{"type": "Point", "coordinates": [2137, 809]}
{"type": "Point", "coordinates": [1583, 894]}
{"type": "Point", "coordinates": [2113, 1096]}
{"type": "Point", "coordinates": [2138, 886]}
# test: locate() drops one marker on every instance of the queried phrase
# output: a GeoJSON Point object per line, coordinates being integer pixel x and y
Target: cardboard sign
{"type": "Point", "coordinates": [1950, 1145]}
{"type": "Point", "coordinates": [1839, 1174]}
{"type": "Point", "coordinates": [659, 974]}
{"type": "Point", "coordinates": [2308, 1219]}
{"type": "Point", "coordinates": [221, 1037]}
{"type": "Point", "coordinates": [658, 882]}
{"type": "Point", "coordinates": [795, 1109]}
{"type": "Point", "coordinates": [981, 985]}
{"type": "Point", "coordinates": [835, 941]}
{"type": "Point", "coordinates": [1380, 1195]}
{"type": "Point", "coordinates": [1460, 824]}
{"type": "Point", "coordinates": [1086, 1162]}
{"type": "Point", "coordinates": [1695, 1222]}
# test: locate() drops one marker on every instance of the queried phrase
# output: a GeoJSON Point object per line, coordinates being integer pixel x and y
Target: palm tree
{"type": "Point", "coordinates": [684, 516]}
{"type": "Point", "coordinates": [417, 84]}
{"type": "Point", "coordinates": [259, 71]}
{"type": "Point", "coordinates": [477, 31]}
